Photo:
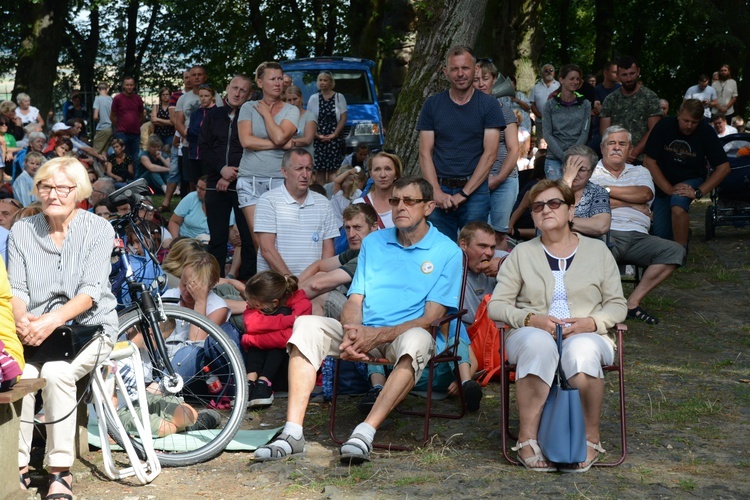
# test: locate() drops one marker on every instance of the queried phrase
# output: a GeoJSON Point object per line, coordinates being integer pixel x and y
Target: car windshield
{"type": "Point", "coordinates": [352, 83]}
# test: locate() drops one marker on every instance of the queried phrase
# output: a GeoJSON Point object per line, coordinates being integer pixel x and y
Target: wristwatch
{"type": "Point", "coordinates": [698, 194]}
{"type": "Point", "coordinates": [607, 189]}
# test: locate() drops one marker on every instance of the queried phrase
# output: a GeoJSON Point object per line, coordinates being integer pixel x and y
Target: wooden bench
{"type": "Point", "coordinates": [10, 421]}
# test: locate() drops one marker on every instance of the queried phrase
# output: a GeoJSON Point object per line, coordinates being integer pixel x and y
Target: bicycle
{"type": "Point", "coordinates": [221, 354]}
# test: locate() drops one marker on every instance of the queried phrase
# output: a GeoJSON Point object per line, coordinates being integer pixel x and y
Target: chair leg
{"type": "Point", "coordinates": [505, 431]}
{"type": "Point", "coordinates": [623, 414]}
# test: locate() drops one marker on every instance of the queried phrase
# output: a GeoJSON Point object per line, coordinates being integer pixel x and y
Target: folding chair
{"type": "Point", "coordinates": [105, 380]}
{"type": "Point", "coordinates": [505, 382]}
{"type": "Point", "coordinates": [447, 355]}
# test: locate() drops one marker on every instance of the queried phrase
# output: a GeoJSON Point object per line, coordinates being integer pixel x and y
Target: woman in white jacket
{"type": "Point", "coordinates": [330, 109]}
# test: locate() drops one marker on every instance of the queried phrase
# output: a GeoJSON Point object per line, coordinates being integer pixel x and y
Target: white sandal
{"type": "Point", "coordinates": [584, 466]}
{"type": "Point", "coordinates": [537, 457]}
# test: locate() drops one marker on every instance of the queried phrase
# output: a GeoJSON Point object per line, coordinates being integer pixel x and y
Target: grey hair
{"type": "Point", "coordinates": [294, 151]}
{"type": "Point", "coordinates": [616, 129]}
{"type": "Point", "coordinates": [37, 135]}
{"type": "Point", "coordinates": [22, 96]}
{"type": "Point", "coordinates": [581, 150]}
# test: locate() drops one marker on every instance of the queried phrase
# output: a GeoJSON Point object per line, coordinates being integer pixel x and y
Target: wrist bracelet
{"type": "Point", "coordinates": [463, 194]}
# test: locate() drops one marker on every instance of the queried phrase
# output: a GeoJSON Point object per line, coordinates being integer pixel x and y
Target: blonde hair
{"type": "Point", "coordinates": [205, 268]}
{"type": "Point", "coordinates": [73, 170]}
{"type": "Point", "coordinates": [352, 183]}
{"type": "Point", "coordinates": [180, 251]}
{"type": "Point", "coordinates": [398, 166]}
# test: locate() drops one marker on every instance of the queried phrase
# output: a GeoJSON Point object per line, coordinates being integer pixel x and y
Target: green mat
{"type": "Point", "coordinates": [244, 440]}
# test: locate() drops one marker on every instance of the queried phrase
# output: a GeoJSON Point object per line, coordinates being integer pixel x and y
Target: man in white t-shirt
{"type": "Point", "coordinates": [295, 226]}
{"type": "Point", "coordinates": [719, 123]}
{"type": "Point", "coordinates": [704, 93]}
{"type": "Point", "coordinates": [726, 91]}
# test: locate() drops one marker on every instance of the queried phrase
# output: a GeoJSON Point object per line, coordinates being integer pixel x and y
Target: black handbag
{"type": "Point", "coordinates": [63, 344]}
{"type": "Point", "coordinates": [562, 430]}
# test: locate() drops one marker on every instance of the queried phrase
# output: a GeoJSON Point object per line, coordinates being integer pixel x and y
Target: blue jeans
{"type": "Point", "coordinates": [155, 179]}
{"type": "Point", "coordinates": [450, 222]}
{"type": "Point", "coordinates": [132, 144]}
{"type": "Point", "coordinates": [552, 168]}
{"type": "Point", "coordinates": [174, 166]}
{"type": "Point", "coordinates": [189, 360]}
{"type": "Point", "coordinates": [502, 200]}
{"type": "Point", "coordinates": [662, 208]}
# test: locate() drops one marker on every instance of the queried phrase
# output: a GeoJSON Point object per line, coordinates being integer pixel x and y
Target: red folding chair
{"type": "Point", "coordinates": [505, 382]}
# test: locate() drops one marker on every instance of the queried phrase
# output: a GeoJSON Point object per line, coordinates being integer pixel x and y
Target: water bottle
{"type": "Point", "coordinates": [213, 383]}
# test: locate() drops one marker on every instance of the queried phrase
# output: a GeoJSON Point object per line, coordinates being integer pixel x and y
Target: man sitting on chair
{"type": "Point", "coordinates": [406, 278]}
{"type": "Point", "coordinates": [631, 192]}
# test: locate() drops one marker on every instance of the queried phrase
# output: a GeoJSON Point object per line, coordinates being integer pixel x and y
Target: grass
{"type": "Point", "coordinates": [687, 484]}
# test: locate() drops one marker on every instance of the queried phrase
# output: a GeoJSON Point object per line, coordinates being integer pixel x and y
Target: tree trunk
{"type": "Point", "coordinates": [366, 25]}
{"type": "Point", "coordinates": [529, 42]}
{"type": "Point", "coordinates": [146, 41]}
{"type": "Point", "coordinates": [131, 38]}
{"type": "Point", "coordinates": [299, 39]}
{"type": "Point", "coordinates": [441, 24]}
{"type": "Point", "coordinates": [318, 27]}
{"type": "Point", "coordinates": [265, 51]}
{"type": "Point", "coordinates": [40, 49]}
{"type": "Point", "coordinates": [565, 34]}
{"type": "Point", "coordinates": [604, 33]}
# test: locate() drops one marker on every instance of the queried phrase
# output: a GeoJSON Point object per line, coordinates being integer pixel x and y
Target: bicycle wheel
{"type": "Point", "coordinates": [223, 357]}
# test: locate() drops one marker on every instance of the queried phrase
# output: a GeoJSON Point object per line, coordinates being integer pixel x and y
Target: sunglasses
{"type": "Point", "coordinates": [553, 204]}
{"type": "Point", "coordinates": [409, 202]}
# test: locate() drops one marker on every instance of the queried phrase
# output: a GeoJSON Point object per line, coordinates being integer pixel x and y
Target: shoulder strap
{"type": "Point", "coordinates": [367, 200]}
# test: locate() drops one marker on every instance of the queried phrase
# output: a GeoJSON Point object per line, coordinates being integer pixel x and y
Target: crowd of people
{"type": "Point", "coordinates": [299, 252]}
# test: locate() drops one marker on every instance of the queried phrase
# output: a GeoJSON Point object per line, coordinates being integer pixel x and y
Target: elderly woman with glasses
{"type": "Point", "coordinates": [54, 283]}
{"type": "Point", "coordinates": [592, 211]}
{"type": "Point", "coordinates": [558, 278]}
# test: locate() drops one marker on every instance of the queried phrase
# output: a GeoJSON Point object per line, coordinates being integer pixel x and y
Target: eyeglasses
{"type": "Point", "coordinates": [205, 86]}
{"type": "Point", "coordinates": [62, 191]}
{"type": "Point", "coordinates": [584, 170]}
{"type": "Point", "coordinates": [484, 60]}
{"type": "Point", "coordinates": [553, 204]}
{"type": "Point", "coordinates": [549, 70]}
{"type": "Point", "coordinates": [409, 202]}
{"type": "Point", "coordinates": [14, 202]}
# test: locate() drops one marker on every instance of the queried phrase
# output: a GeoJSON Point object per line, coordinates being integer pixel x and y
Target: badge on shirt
{"type": "Point", "coordinates": [315, 237]}
{"type": "Point", "coordinates": [427, 267]}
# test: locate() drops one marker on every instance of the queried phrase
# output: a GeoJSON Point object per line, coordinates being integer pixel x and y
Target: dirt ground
{"type": "Point", "coordinates": [688, 405]}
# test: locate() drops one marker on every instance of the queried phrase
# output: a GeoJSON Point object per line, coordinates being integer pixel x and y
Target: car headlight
{"type": "Point", "coordinates": [367, 128]}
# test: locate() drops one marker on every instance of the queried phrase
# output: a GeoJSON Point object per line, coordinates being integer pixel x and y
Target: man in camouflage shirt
{"type": "Point", "coordinates": [633, 106]}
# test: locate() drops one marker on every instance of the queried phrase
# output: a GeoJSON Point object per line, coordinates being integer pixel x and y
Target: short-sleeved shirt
{"type": "Point", "coordinates": [502, 150]}
{"type": "Point", "coordinates": [459, 131]}
{"type": "Point", "coordinates": [477, 286]}
{"type": "Point", "coordinates": [22, 187]}
{"type": "Point", "coordinates": [540, 94]}
{"type": "Point", "coordinates": [181, 333]}
{"type": "Point", "coordinates": [194, 221]}
{"type": "Point", "coordinates": [300, 229]}
{"type": "Point", "coordinates": [594, 201]}
{"type": "Point", "coordinates": [626, 218]}
{"type": "Point", "coordinates": [189, 102]}
{"type": "Point", "coordinates": [304, 118]}
{"type": "Point", "coordinates": [104, 104]}
{"type": "Point", "coordinates": [348, 260]}
{"type": "Point", "coordinates": [707, 94]}
{"type": "Point", "coordinates": [398, 281]}
{"type": "Point", "coordinates": [681, 157]}
{"type": "Point", "coordinates": [525, 117]}
{"type": "Point", "coordinates": [632, 111]}
{"type": "Point", "coordinates": [265, 164]}
{"type": "Point", "coordinates": [129, 111]}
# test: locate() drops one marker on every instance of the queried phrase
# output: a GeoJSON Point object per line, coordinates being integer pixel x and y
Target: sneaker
{"type": "Point", "coordinates": [472, 395]}
{"type": "Point", "coordinates": [365, 404]}
{"type": "Point", "coordinates": [207, 419]}
{"type": "Point", "coordinates": [262, 395]}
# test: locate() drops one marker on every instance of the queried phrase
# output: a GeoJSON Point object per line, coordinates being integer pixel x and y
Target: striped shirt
{"type": "Point", "coordinates": [46, 277]}
{"type": "Point", "coordinates": [300, 229]}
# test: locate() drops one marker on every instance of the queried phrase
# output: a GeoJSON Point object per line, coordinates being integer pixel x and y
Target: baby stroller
{"type": "Point", "coordinates": [731, 199]}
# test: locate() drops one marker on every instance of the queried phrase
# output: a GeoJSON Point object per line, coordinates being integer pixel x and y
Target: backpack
{"type": "Point", "coordinates": [485, 342]}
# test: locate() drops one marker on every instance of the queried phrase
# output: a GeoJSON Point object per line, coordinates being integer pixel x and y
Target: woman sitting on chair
{"type": "Point", "coordinates": [53, 283]}
{"type": "Point", "coordinates": [558, 278]}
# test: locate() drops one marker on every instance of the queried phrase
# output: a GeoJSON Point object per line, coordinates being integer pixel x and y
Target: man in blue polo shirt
{"type": "Point", "coordinates": [406, 278]}
{"type": "Point", "coordinates": [459, 132]}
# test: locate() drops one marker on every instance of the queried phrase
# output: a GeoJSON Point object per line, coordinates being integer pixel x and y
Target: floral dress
{"type": "Point", "coordinates": [328, 155]}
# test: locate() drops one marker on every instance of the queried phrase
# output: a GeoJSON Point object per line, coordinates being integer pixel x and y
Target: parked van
{"type": "Point", "coordinates": [353, 76]}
